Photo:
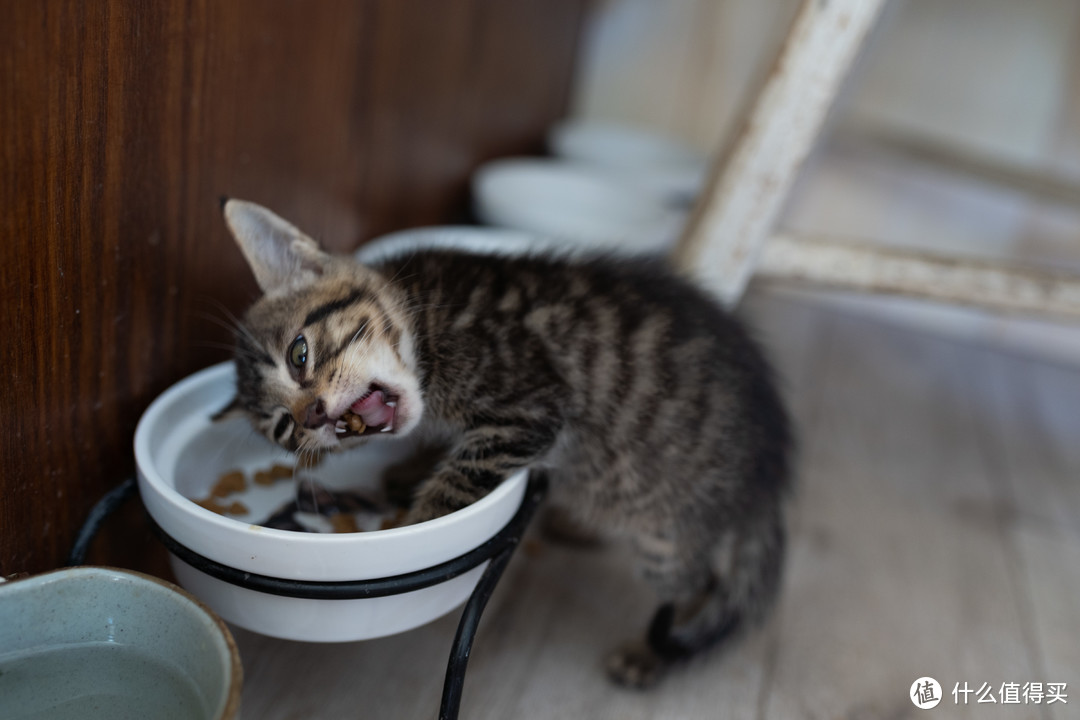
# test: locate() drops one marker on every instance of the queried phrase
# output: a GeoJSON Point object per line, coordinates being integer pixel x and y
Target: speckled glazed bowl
{"type": "Point", "coordinates": [180, 453]}
{"type": "Point", "coordinates": [95, 642]}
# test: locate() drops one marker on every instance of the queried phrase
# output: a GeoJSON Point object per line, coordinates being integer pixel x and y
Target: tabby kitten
{"type": "Point", "coordinates": [654, 413]}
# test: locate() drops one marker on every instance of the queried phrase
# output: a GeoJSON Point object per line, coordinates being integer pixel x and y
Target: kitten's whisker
{"type": "Point", "coordinates": [398, 276]}
{"type": "Point", "coordinates": [357, 333]}
{"type": "Point", "coordinates": [237, 351]}
{"type": "Point", "coordinates": [351, 348]}
{"type": "Point", "coordinates": [230, 323]}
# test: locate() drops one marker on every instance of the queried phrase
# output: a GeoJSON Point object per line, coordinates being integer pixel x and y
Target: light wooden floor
{"type": "Point", "coordinates": [936, 532]}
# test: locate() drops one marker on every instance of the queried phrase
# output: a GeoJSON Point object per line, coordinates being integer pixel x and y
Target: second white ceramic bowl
{"type": "Point", "coordinates": [649, 159]}
{"type": "Point", "coordinates": [588, 208]}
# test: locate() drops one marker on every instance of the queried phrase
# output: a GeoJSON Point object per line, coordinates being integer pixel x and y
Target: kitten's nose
{"type": "Point", "coordinates": [316, 414]}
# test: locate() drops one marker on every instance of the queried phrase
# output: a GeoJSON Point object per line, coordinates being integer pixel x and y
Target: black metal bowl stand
{"type": "Point", "coordinates": [498, 550]}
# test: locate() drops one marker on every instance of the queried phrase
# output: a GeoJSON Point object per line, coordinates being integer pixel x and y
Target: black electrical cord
{"type": "Point", "coordinates": [105, 507]}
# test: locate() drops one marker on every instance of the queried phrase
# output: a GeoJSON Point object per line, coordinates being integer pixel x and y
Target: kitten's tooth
{"type": "Point", "coordinates": [340, 430]}
{"type": "Point", "coordinates": [341, 426]}
{"type": "Point", "coordinates": [392, 403]}
{"type": "Point", "coordinates": [386, 429]}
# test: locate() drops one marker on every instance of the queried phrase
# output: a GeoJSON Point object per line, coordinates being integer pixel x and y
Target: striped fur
{"type": "Point", "coordinates": [652, 408]}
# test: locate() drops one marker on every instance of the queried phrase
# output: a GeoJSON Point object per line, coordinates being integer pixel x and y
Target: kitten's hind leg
{"type": "Point", "coordinates": [742, 595]}
{"type": "Point", "coordinates": [681, 574]}
{"type": "Point", "coordinates": [700, 608]}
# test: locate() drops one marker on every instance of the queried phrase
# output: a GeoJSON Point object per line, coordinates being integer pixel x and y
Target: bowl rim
{"type": "Point", "coordinates": [619, 146]}
{"type": "Point", "coordinates": [235, 685]}
{"type": "Point", "coordinates": [500, 181]}
{"type": "Point", "coordinates": [593, 208]}
{"type": "Point", "coordinates": [473, 239]}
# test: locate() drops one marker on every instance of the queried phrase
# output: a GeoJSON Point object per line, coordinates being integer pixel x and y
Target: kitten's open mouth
{"type": "Point", "coordinates": [372, 413]}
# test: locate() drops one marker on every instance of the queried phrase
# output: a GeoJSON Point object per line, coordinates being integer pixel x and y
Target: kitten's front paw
{"type": "Point", "coordinates": [401, 480]}
{"type": "Point", "coordinates": [435, 499]}
{"type": "Point", "coordinates": [635, 665]}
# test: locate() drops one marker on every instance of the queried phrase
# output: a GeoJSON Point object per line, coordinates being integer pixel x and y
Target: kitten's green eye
{"type": "Point", "coordinates": [298, 352]}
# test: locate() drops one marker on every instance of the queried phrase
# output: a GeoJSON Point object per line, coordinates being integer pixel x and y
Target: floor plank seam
{"type": "Point", "coordinates": [772, 657]}
{"type": "Point", "coordinates": [1000, 478]}
{"type": "Point", "coordinates": [821, 354]}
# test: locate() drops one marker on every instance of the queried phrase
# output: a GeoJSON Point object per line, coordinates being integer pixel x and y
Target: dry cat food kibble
{"type": "Point", "coordinates": [229, 483]}
{"type": "Point", "coordinates": [344, 523]}
{"type": "Point", "coordinates": [354, 421]}
{"type": "Point", "coordinates": [214, 505]}
{"type": "Point", "coordinates": [314, 507]}
{"type": "Point", "coordinates": [271, 476]}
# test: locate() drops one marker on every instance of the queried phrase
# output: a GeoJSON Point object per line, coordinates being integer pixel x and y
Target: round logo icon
{"type": "Point", "coordinates": [925, 693]}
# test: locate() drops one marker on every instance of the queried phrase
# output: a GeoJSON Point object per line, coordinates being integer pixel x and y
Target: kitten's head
{"type": "Point", "coordinates": [325, 349]}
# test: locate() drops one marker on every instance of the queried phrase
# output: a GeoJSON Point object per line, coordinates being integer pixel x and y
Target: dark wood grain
{"type": "Point", "coordinates": [123, 122]}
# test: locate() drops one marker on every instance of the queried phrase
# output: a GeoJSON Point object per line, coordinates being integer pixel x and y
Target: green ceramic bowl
{"type": "Point", "coordinates": [95, 642]}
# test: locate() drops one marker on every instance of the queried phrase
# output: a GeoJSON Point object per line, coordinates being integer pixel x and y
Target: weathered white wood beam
{"type": "Point", "coordinates": [749, 181]}
{"type": "Point", "coordinates": [996, 286]}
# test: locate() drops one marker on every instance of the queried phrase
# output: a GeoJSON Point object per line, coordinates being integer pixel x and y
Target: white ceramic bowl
{"type": "Point", "coordinates": [592, 209]}
{"type": "Point", "coordinates": [95, 642]}
{"type": "Point", "coordinates": [616, 145]}
{"type": "Point", "coordinates": [643, 157]}
{"type": "Point", "coordinates": [473, 239]}
{"type": "Point", "coordinates": [180, 453]}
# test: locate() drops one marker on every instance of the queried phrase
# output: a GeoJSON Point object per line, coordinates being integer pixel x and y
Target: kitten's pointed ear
{"type": "Point", "coordinates": [278, 253]}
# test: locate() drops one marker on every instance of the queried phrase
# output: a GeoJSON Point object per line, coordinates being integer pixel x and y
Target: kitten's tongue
{"type": "Point", "coordinates": [374, 410]}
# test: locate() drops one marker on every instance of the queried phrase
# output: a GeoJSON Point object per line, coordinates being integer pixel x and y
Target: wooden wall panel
{"type": "Point", "coordinates": [121, 124]}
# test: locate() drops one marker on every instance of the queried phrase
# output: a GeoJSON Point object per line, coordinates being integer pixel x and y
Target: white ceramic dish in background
{"type": "Point", "coordinates": [647, 158]}
{"type": "Point", "coordinates": [94, 642]}
{"type": "Point", "coordinates": [589, 208]}
{"type": "Point", "coordinates": [617, 145]}
{"type": "Point", "coordinates": [180, 453]}
{"type": "Point", "coordinates": [477, 240]}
